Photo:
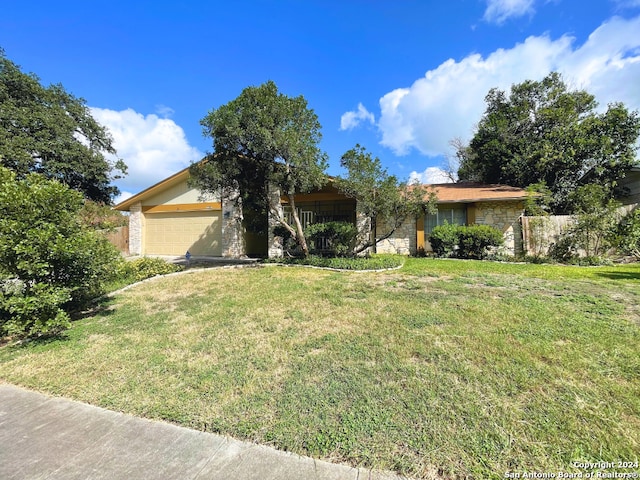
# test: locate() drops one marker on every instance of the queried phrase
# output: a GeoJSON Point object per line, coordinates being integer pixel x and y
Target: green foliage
{"type": "Point", "coordinates": [101, 216]}
{"type": "Point", "coordinates": [627, 234]}
{"type": "Point", "coordinates": [263, 138]}
{"type": "Point", "coordinates": [464, 241]}
{"type": "Point", "coordinates": [49, 131]}
{"type": "Point", "coordinates": [381, 197]}
{"type": "Point", "coordinates": [539, 197]}
{"type": "Point", "coordinates": [32, 309]}
{"type": "Point", "coordinates": [444, 239]}
{"type": "Point", "coordinates": [593, 232]}
{"type": "Point", "coordinates": [596, 219]}
{"type": "Point", "coordinates": [476, 240]}
{"type": "Point", "coordinates": [374, 262]}
{"type": "Point", "coordinates": [543, 132]}
{"type": "Point", "coordinates": [340, 237]}
{"type": "Point", "coordinates": [145, 267]}
{"type": "Point", "coordinates": [50, 263]}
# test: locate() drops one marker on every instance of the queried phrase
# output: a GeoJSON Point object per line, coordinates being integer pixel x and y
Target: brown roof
{"type": "Point", "coordinates": [475, 192]}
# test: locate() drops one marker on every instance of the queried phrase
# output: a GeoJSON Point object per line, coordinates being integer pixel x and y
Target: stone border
{"type": "Point", "coordinates": [246, 265]}
{"type": "Point", "coordinates": [332, 269]}
{"type": "Point", "coordinates": [173, 274]}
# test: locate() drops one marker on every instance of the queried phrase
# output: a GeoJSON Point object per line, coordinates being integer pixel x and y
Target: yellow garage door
{"type": "Point", "coordinates": [174, 233]}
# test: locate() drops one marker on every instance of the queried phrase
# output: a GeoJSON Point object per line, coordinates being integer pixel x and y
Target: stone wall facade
{"type": "Point", "coordinates": [275, 246]}
{"type": "Point", "coordinates": [403, 241]}
{"type": "Point", "coordinates": [233, 241]}
{"type": "Point", "coordinates": [136, 220]}
{"type": "Point", "coordinates": [505, 216]}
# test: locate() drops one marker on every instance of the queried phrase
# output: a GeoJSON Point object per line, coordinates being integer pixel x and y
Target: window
{"type": "Point", "coordinates": [453, 215]}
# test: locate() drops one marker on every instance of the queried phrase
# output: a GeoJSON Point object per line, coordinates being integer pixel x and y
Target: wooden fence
{"type": "Point", "coordinates": [539, 233]}
{"type": "Point", "coordinates": [120, 238]}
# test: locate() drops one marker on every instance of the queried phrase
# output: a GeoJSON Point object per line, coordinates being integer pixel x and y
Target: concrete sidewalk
{"type": "Point", "coordinates": [44, 437]}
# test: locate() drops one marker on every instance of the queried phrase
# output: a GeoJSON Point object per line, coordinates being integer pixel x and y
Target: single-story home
{"type": "Point", "coordinates": [171, 218]}
{"type": "Point", "coordinates": [630, 187]}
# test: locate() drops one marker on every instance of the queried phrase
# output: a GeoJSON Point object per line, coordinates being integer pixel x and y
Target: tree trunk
{"type": "Point", "coordinates": [302, 241]}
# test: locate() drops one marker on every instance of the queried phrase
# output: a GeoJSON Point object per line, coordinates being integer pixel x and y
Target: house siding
{"type": "Point", "coordinates": [233, 242]}
{"type": "Point", "coordinates": [403, 241]}
{"type": "Point", "coordinates": [505, 216]}
{"type": "Point", "coordinates": [135, 229]}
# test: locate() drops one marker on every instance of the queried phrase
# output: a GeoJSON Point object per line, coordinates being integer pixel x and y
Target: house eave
{"type": "Point", "coordinates": [482, 199]}
{"type": "Point", "coordinates": [154, 189]}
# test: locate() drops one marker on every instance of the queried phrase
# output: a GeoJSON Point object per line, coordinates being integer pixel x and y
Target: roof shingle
{"type": "Point", "coordinates": [474, 192]}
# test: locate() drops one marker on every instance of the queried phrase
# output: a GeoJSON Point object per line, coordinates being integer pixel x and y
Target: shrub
{"type": "Point", "coordinates": [50, 263]}
{"type": "Point", "coordinates": [145, 267]}
{"type": "Point", "coordinates": [474, 241]}
{"type": "Point", "coordinates": [338, 238]}
{"type": "Point", "coordinates": [444, 239]}
{"type": "Point", "coordinates": [596, 220]}
{"type": "Point", "coordinates": [462, 241]}
{"type": "Point", "coordinates": [374, 262]}
{"type": "Point", "coordinates": [627, 234]}
{"type": "Point", "coordinates": [565, 249]}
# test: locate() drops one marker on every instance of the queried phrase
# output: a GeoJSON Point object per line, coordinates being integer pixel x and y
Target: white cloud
{"type": "Point", "coordinates": [351, 120]}
{"type": "Point", "coordinates": [628, 3]}
{"type": "Point", "coordinates": [122, 197]}
{"type": "Point", "coordinates": [164, 111]}
{"type": "Point", "coordinates": [500, 10]}
{"type": "Point", "coordinates": [449, 100]}
{"type": "Point", "coordinates": [153, 148]}
{"type": "Point", "coordinates": [430, 175]}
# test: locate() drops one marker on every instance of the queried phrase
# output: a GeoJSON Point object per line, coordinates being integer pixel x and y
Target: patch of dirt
{"type": "Point", "coordinates": [631, 307]}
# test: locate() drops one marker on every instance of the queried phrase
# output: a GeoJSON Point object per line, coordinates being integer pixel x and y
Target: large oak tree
{"type": "Point", "coordinates": [545, 132]}
{"type": "Point", "coordinates": [263, 140]}
{"type": "Point", "coordinates": [49, 131]}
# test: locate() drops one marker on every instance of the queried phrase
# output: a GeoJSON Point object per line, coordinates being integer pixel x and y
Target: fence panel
{"type": "Point", "coordinates": [120, 238]}
{"type": "Point", "coordinates": [539, 233]}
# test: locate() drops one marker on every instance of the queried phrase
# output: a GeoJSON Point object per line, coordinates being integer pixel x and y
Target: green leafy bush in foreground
{"type": "Point", "coordinates": [50, 263]}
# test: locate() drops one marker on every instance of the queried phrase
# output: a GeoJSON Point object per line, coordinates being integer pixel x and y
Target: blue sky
{"type": "Point", "coordinates": [403, 78]}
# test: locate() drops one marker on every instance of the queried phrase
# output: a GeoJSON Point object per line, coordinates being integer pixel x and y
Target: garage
{"type": "Point", "coordinates": [173, 233]}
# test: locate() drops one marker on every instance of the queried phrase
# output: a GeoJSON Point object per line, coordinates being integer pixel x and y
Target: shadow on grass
{"type": "Point", "coordinates": [613, 275]}
{"type": "Point", "coordinates": [20, 343]}
{"type": "Point", "coordinates": [100, 306]}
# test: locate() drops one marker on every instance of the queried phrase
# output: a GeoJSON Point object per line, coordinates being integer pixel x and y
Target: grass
{"type": "Point", "coordinates": [460, 369]}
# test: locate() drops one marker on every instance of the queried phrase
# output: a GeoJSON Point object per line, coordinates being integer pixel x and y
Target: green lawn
{"type": "Point", "coordinates": [462, 368]}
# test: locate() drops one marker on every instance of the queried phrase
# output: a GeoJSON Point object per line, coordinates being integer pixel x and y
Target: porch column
{"type": "Point", "coordinates": [275, 247]}
{"type": "Point", "coordinates": [135, 229]}
{"type": "Point", "coordinates": [232, 230]}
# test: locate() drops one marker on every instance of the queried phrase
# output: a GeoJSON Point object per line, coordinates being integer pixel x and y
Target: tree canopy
{"type": "Point", "coordinates": [544, 132]}
{"type": "Point", "coordinates": [263, 138]}
{"type": "Point", "coordinates": [381, 197]}
{"type": "Point", "coordinates": [49, 131]}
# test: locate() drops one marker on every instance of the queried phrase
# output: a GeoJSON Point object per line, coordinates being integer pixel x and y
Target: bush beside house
{"type": "Point", "coordinates": [465, 241]}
